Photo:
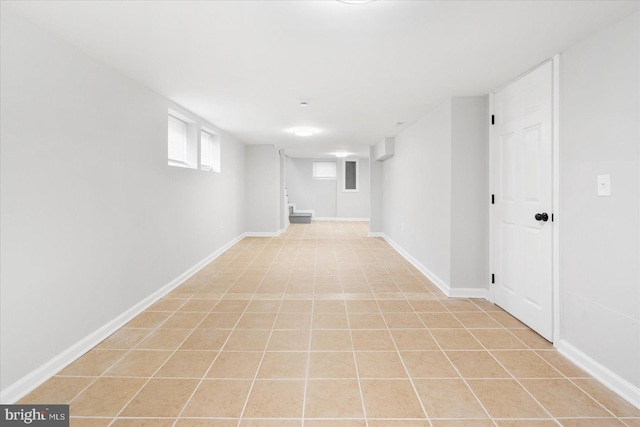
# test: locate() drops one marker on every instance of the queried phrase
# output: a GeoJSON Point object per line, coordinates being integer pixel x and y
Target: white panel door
{"type": "Point", "coordinates": [521, 240]}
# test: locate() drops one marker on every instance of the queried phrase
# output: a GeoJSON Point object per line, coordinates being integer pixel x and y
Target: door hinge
{"type": "Point", "coordinates": [493, 200]}
{"type": "Point", "coordinates": [493, 278]}
{"type": "Point", "coordinates": [493, 119]}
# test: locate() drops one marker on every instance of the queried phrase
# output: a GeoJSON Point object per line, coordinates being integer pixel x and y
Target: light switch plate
{"type": "Point", "coordinates": [604, 185]}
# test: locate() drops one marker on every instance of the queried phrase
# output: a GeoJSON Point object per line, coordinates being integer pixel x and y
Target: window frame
{"type": "Point", "coordinates": [216, 157]}
{"type": "Point", "coordinates": [191, 141]}
{"type": "Point", "coordinates": [344, 175]}
{"type": "Point", "coordinates": [335, 169]}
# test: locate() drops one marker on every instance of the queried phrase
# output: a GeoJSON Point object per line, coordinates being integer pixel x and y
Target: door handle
{"type": "Point", "coordinates": [542, 217]}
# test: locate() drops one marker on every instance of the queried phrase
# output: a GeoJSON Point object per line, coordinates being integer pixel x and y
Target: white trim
{"type": "Point", "coordinates": [555, 244]}
{"type": "Point", "coordinates": [376, 234]}
{"type": "Point", "coordinates": [492, 290]}
{"type": "Point", "coordinates": [613, 381]}
{"type": "Point", "coordinates": [35, 378]}
{"type": "Point", "coordinates": [444, 287]}
{"type": "Point", "coordinates": [333, 218]}
{"type": "Point", "coordinates": [306, 211]}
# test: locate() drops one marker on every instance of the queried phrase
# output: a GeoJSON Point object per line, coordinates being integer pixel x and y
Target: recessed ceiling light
{"type": "Point", "coordinates": [341, 154]}
{"type": "Point", "coordinates": [303, 132]}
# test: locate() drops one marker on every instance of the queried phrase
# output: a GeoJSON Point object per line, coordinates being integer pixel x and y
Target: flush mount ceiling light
{"type": "Point", "coordinates": [303, 132]}
{"type": "Point", "coordinates": [340, 154]}
{"type": "Point", "coordinates": [356, 1]}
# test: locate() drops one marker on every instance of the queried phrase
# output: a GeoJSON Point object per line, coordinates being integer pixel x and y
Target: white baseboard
{"type": "Point", "coordinates": [376, 234]}
{"type": "Point", "coordinates": [613, 381]}
{"type": "Point", "coordinates": [444, 287]}
{"type": "Point", "coordinates": [333, 218]}
{"type": "Point", "coordinates": [29, 382]}
{"type": "Point", "coordinates": [441, 284]}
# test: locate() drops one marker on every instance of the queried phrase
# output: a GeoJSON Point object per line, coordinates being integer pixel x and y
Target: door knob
{"type": "Point", "coordinates": [542, 217]}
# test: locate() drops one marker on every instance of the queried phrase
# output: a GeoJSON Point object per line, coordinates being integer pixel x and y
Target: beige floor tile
{"type": "Point", "coordinates": [261, 306]}
{"type": "Point", "coordinates": [256, 321]}
{"type": "Point", "coordinates": [562, 364]}
{"type": "Point", "coordinates": [448, 399]}
{"type": "Point", "coordinates": [591, 422]}
{"type": "Point", "coordinates": [89, 422]}
{"type": "Point", "coordinates": [428, 306]}
{"type": "Point", "coordinates": [333, 399]}
{"type": "Point", "coordinates": [283, 365]}
{"type": "Point", "coordinates": [563, 399]}
{"type": "Point", "coordinates": [398, 423]}
{"type": "Point", "coordinates": [230, 306]}
{"type": "Point", "coordinates": [93, 363]}
{"type": "Point", "coordinates": [335, 423]}
{"type": "Point", "coordinates": [413, 339]}
{"type": "Point", "coordinates": [293, 321]}
{"type": "Point", "coordinates": [183, 320]}
{"type": "Point", "coordinates": [124, 339]}
{"type": "Point", "coordinates": [296, 306]}
{"type": "Point", "coordinates": [532, 339]}
{"type": "Point", "coordinates": [332, 340]}
{"type": "Point", "coordinates": [206, 339]}
{"type": "Point", "coordinates": [380, 364]}
{"type": "Point", "coordinates": [455, 339]}
{"type": "Point", "coordinates": [403, 321]}
{"type": "Point", "coordinates": [330, 321]}
{"type": "Point", "coordinates": [440, 320]}
{"type": "Point", "coordinates": [275, 399]}
{"type": "Point", "coordinates": [367, 321]}
{"type": "Point", "coordinates": [362, 306]}
{"type": "Point", "coordinates": [428, 364]}
{"type": "Point", "coordinates": [149, 319]}
{"type": "Point", "coordinates": [218, 398]}
{"type": "Point", "coordinates": [105, 397]}
{"type": "Point", "coordinates": [459, 305]}
{"type": "Point", "coordinates": [395, 306]}
{"type": "Point", "coordinates": [57, 390]}
{"type": "Point", "coordinates": [390, 399]}
{"type": "Point", "coordinates": [632, 422]}
{"type": "Point", "coordinates": [527, 423]}
{"type": "Point", "coordinates": [477, 320]}
{"type": "Point", "coordinates": [187, 364]}
{"type": "Point", "coordinates": [198, 305]}
{"type": "Point", "coordinates": [506, 399]}
{"type": "Point", "coordinates": [326, 364]}
{"type": "Point", "coordinates": [476, 364]}
{"type": "Point", "coordinates": [507, 320]}
{"type": "Point", "coordinates": [614, 403]}
{"type": "Point", "coordinates": [372, 340]}
{"type": "Point", "coordinates": [328, 306]}
{"type": "Point", "coordinates": [270, 423]}
{"type": "Point", "coordinates": [231, 364]}
{"type": "Point", "coordinates": [289, 340]}
{"type": "Point", "coordinates": [164, 339]}
{"type": "Point", "coordinates": [143, 422]}
{"type": "Point", "coordinates": [139, 363]}
{"type": "Point", "coordinates": [161, 398]}
{"type": "Point", "coordinates": [462, 423]}
{"type": "Point", "coordinates": [498, 339]}
{"type": "Point", "coordinates": [220, 321]}
{"type": "Point", "coordinates": [526, 364]}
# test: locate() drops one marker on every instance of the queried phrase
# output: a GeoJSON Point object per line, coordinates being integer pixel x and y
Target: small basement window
{"type": "Point", "coordinates": [209, 151]}
{"type": "Point", "coordinates": [324, 170]}
{"type": "Point", "coordinates": [351, 179]}
{"type": "Point", "coordinates": [181, 141]}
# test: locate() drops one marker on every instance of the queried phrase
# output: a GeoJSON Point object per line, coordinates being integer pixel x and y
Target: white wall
{"type": "Point", "coordinates": [262, 189]}
{"type": "Point", "coordinates": [375, 204]}
{"type": "Point", "coordinates": [417, 192]}
{"type": "Point", "coordinates": [93, 219]}
{"type": "Point", "coordinates": [354, 204]}
{"type": "Point", "coordinates": [469, 192]}
{"type": "Point", "coordinates": [435, 189]}
{"type": "Point", "coordinates": [318, 195]}
{"type": "Point", "coordinates": [600, 134]}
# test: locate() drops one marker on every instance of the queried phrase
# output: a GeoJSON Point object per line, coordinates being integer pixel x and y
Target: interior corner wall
{"type": "Point", "coordinates": [307, 193]}
{"type": "Point", "coordinates": [91, 214]}
{"type": "Point", "coordinates": [262, 189]}
{"type": "Point", "coordinates": [469, 192]}
{"type": "Point", "coordinates": [353, 205]}
{"type": "Point", "coordinates": [416, 193]}
{"type": "Point", "coordinates": [375, 180]}
{"type": "Point", "coordinates": [600, 236]}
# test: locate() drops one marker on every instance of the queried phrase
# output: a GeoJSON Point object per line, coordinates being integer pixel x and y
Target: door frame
{"type": "Point", "coordinates": [555, 182]}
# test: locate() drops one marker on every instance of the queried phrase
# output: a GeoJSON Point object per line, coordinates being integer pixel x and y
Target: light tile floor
{"type": "Point", "coordinates": [326, 327]}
